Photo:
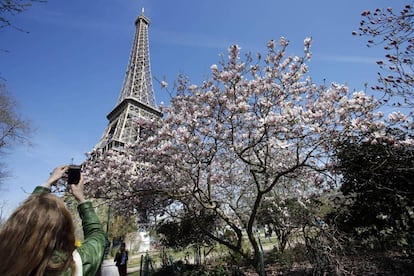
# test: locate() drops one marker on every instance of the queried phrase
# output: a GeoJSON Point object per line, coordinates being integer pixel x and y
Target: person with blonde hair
{"type": "Point", "coordinates": [39, 237]}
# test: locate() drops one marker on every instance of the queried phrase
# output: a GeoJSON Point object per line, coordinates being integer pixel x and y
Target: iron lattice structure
{"type": "Point", "coordinates": [137, 97]}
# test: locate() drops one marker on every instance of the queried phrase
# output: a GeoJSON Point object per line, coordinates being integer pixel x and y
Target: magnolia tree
{"type": "Point", "coordinates": [120, 182]}
{"type": "Point", "coordinates": [258, 128]}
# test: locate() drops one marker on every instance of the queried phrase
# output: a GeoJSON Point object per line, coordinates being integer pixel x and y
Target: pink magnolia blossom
{"type": "Point", "coordinates": [247, 133]}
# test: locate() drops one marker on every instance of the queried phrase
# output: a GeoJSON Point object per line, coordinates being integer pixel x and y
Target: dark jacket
{"type": "Point", "coordinates": [118, 258]}
{"type": "Point", "coordinates": [92, 248]}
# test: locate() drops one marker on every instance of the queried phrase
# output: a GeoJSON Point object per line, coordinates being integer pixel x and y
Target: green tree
{"type": "Point", "coordinates": [188, 231]}
{"type": "Point", "coordinates": [120, 226]}
{"type": "Point", "coordinates": [282, 217]}
{"type": "Point", "coordinates": [378, 193]}
{"type": "Point", "coordinates": [191, 231]}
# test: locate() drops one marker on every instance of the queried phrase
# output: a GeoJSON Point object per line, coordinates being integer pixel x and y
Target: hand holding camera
{"type": "Point", "coordinates": [55, 175]}
{"type": "Point", "coordinates": [75, 181]}
{"type": "Point", "coordinates": [71, 174]}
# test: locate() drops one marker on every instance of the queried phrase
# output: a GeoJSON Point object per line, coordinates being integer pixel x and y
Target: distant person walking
{"type": "Point", "coordinates": [121, 260]}
{"type": "Point", "coordinates": [39, 237]}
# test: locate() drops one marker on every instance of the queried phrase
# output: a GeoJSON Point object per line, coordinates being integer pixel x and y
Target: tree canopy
{"type": "Point", "coordinates": [258, 127]}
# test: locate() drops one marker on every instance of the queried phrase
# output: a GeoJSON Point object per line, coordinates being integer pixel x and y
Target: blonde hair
{"type": "Point", "coordinates": [38, 238]}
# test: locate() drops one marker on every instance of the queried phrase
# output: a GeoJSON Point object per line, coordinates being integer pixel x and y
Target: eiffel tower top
{"type": "Point", "coordinates": [137, 94]}
{"type": "Point", "coordinates": [143, 17]}
{"type": "Point", "coordinates": [138, 79]}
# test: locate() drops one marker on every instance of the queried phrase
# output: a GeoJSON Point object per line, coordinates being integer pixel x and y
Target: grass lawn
{"type": "Point", "coordinates": [179, 255]}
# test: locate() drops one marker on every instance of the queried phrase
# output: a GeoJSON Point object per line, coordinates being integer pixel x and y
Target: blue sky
{"type": "Point", "coordinates": [67, 72]}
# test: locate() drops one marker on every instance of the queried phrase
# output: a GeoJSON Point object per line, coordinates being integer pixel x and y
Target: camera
{"type": "Point", "coordinates": [74, 174]}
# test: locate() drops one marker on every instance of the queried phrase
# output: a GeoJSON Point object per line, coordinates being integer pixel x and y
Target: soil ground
{"type": "Point", "coordinates": [367, 264]}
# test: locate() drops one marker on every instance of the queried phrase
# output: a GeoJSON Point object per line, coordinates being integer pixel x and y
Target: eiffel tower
{"type": "Point", "coordinates": [137, 95]}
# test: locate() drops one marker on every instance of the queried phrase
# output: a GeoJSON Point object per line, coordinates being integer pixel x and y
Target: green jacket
{"type": "Point", "coordinates": [92, 248]}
